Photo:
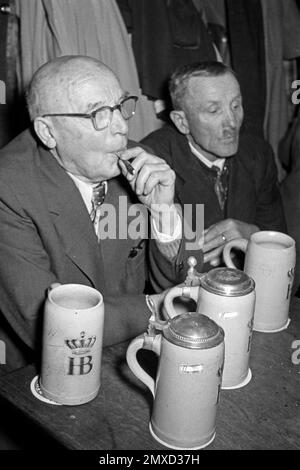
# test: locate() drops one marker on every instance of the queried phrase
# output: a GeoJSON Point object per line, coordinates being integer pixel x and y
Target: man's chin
{"type": "Point", "coordinates": [111, 171]}
{"type": "Point", "coordinates": [228, 149]}
{"type": "Point", "coordinates": [114, 171]}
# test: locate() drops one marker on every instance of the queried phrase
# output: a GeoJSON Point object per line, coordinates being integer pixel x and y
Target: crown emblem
{"type": "Point", "coordinates": [82, 345]}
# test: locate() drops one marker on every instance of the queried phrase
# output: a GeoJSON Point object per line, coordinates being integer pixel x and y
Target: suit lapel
{"type": "Point", "coordinates": [241, 191]}
{"type": "Point", "coordinates": [184, 164]}
{"type": "Point", "coordinates": [71, 220]}
{"type": "Point", "coordinates": [115, 249]}
{"type": "Point", "coordinates": [193, 185]}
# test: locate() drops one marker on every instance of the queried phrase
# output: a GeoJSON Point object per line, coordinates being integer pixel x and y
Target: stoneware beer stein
{"type": "Point", "coordinates": [186, 391]}
{"type": "Point", "coordinates": [72, 344]}
{"type": "Point", "coordinates": [227, 296]}
{"type": "Point", "coordinates": [270, 260]}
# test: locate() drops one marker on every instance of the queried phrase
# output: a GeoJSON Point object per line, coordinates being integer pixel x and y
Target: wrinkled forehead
{"type": "Point", "coordinates": [73, 88]}
{"type": "Point", "coordinates": [92, 87]}
{"type": "Point", "coordinates": [219, 88]}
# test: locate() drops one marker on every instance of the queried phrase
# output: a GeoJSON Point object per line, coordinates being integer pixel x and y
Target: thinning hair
{"type": "Point", "coordinates": [178, 82]}
{"type": "Point", "coordinates": [57, 77]}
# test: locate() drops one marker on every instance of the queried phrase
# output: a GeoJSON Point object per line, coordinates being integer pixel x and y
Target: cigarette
{"type": "Point", "coordinates": [129, 167]}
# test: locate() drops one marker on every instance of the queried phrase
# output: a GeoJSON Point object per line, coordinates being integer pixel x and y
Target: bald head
{"type": "Point", "coordinates": [54, 84]}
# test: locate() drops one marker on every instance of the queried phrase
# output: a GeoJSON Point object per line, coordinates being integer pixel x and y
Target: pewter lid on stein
{"type": "Point", "coordinates": [193, 331]}
{"type": "Point", "coordinates": [228, 282]}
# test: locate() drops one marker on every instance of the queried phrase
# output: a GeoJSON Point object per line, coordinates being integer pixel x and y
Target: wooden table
{"type": "Point", "coordinates": [265, 414]}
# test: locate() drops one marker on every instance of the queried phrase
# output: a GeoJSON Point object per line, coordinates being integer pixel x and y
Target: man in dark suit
{"type": "Point", "coordinates": [51, 231]}
{"type": "Point", "coordinates": [232, 175]}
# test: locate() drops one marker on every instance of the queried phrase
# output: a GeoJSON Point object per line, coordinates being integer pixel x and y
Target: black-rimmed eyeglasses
{"type": "Point", "coordinates": [101, 117]}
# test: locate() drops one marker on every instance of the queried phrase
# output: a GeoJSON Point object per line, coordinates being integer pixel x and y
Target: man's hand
{"type": "Point", "coordinates": [222, 232]}
{"type": "Point", "coordinates": [153, 180]}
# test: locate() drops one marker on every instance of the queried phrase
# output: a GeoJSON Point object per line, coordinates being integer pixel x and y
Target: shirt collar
{"type": "Point", "coordinates": [85, 189]}
{"type": "Point", "coordinates": [219, 162]}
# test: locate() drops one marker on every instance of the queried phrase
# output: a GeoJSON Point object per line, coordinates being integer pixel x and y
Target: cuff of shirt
{"type": "Point", "coordinates": [168, 244]}
{"type": "Point", "coordinates": [166, 237]}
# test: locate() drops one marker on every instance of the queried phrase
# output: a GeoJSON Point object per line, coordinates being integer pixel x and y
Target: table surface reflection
{"type": "Point", "coordinates": [265, 414]}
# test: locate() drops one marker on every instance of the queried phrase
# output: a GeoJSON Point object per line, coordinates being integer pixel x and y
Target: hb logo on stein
{"type": "Point", "coordinates": [80, 363]}
{"type": "Point", "coordinates": [72, 344]}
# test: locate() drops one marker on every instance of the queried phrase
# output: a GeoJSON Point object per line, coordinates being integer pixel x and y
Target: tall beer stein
{"type": "Point", "coordinates": [227, 296]}
{"type": "Point", "coordinates": [187, 386]}
{"type": "Point", "coordinates": [72, 344]}
{"type": "Point", "coordinates": [270, 260]}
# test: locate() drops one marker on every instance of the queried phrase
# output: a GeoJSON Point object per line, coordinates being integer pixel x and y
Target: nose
{"type": "Point", "coordinates": [231, 119]}
{"type": "Point", "coordinates": [118, 124]}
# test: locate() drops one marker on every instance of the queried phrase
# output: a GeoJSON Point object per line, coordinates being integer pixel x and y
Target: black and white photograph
{"type": "Point", "coordinates": [149, 229]}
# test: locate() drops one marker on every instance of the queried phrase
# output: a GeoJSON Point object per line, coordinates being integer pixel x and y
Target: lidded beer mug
{"type": "Point", "coordinates": [227, 296]}
{"type": "Point", "coordinates": [186, 391]}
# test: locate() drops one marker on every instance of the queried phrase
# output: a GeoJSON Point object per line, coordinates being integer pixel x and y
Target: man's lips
{"type": "Point", "coordinates": [230, 138]}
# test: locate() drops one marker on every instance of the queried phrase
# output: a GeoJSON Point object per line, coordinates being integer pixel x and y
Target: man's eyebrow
{"type": "Point", "coordinates": [211, 103]}
{"type": "Point", "coordinates": [216, 102]}
{"type": "Point", "coordinates": [92, 106]}
{"type": "Point", "coordinates": [238, 96]}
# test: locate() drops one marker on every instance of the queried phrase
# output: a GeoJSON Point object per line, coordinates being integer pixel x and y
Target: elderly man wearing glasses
{"type": "Point", "coordinates": [57, 184]}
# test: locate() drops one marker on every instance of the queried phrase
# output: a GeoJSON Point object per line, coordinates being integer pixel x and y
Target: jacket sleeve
{"type": "Point", "coordinates": [25, 268]}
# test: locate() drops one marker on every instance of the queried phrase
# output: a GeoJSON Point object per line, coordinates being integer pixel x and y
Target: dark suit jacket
{"type": "Point", "coordinates": [253, 194]}
{"type": "Point", "coordinates": [47, 236]}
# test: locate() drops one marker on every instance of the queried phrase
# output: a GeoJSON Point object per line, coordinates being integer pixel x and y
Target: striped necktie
{"type": "Point", "coordinates": [221, 185]}
{"type": "Point", "coordinates": [98, 196]}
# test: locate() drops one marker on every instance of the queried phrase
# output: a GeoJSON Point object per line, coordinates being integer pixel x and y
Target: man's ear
{"type": "Point", "coordinates": [44, 132]}
{"type": "Point", "coordinates": [180, 121]}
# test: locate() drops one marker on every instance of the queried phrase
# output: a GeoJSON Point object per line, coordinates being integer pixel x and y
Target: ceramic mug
{"type": "Point", "coordinates": [270, 260]}
{"type": "Point", "coordinates": [72, 344]}
{"type": "Point", "coordinates": [186, 390]}
{"type": "Point", "coordinates": [226, 296]}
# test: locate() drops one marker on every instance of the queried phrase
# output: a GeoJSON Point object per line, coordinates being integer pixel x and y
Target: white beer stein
{"type": "Point", "coordinates": [227, 296]}
{"type": "Point", "coordinates": [270, 260]}
{"type": "Point", "coordinates": [186, 391]}
{"type": "Point", "coordinates": [72, 344]}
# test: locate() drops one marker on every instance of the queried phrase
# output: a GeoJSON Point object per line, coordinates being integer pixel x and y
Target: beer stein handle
{"type": "Point", "coordinates": [144, 341]}
{"type": "Point", "coordinates": [177, 291]}
{"type": "Point", "coordinates": [240, 243]}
